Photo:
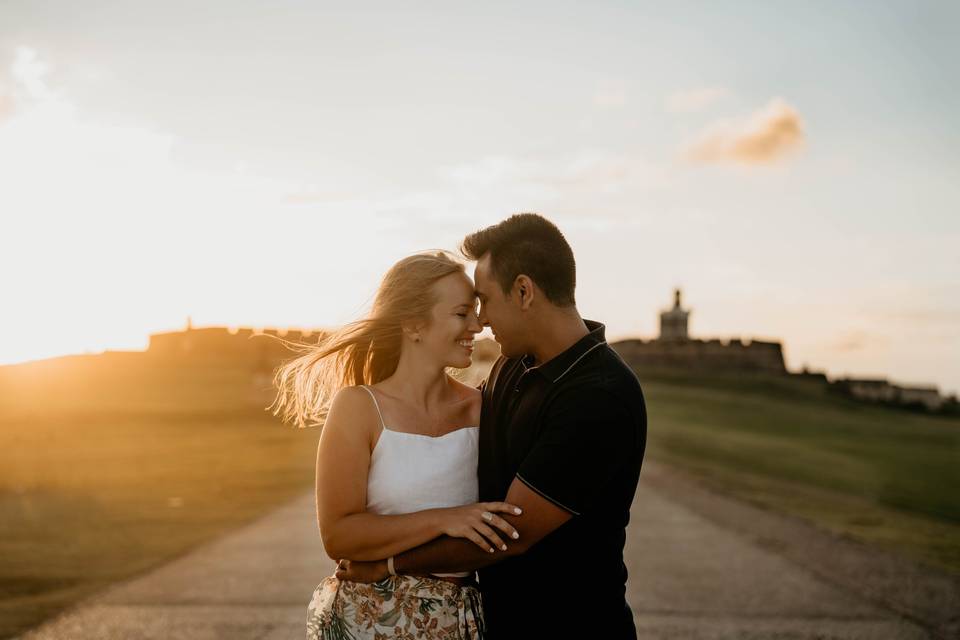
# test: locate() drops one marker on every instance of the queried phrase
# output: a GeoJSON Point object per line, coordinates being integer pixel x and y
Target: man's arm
{"type": "Point", "coordinates": [445, 555]}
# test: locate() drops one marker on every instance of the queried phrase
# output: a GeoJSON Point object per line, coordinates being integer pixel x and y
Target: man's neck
{"type": "Point", "coordinates": [557, 333]}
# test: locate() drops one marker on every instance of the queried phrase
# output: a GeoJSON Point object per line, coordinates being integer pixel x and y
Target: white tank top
{"type": "Point", "coordinates": [411, 472]}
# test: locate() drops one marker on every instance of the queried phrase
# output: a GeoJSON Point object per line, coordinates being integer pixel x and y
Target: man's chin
{"type": "Point", "coordinates": [507, 352]}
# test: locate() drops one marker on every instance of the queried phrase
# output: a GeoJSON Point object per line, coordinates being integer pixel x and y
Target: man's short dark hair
{"type": "Point", "coordinates": [528, 244]}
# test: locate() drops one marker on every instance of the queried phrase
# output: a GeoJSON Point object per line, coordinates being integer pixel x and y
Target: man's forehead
{"type": "Point", "coordinates": [482, 268]}
{"type": "Point", "coordinates": [479, 279]}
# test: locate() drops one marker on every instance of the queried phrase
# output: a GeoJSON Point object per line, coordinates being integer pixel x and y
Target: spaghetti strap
{"type": "Point", "coordinates": [375, 404]}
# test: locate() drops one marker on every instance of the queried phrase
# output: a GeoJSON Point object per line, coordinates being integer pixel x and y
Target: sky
{"type": "Point", "coordinates": [794, 167]}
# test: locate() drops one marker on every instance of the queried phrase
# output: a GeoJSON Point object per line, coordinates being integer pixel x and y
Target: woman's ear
{"type": "Point", "coordinates": [412, 330]}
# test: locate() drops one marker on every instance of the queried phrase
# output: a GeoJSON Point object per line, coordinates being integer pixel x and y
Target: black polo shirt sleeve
{"type": "Point", "coordinates": [587, 436]}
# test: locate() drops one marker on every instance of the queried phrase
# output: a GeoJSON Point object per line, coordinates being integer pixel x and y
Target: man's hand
{"type": "Point", "coordinates": [367, 572]}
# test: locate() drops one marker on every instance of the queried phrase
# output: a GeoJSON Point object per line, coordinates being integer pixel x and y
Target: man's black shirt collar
{"type": "Point", "coordinates": [558, 366]}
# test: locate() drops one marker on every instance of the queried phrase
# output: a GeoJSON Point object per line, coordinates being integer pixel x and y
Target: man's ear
{"type": "Point", "coordinates": [523, 290]}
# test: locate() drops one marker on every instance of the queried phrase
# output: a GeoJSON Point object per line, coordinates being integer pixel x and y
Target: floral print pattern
{"type": "Point", "coordinates": [397, 607]}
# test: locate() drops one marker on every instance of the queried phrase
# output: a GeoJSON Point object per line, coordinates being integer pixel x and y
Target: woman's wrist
{"type": "Point", "coordinates": [436, 522]}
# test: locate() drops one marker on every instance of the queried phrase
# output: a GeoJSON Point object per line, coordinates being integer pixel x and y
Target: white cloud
{"type": "Point", "coordinates": [693, 100]}
{"type": "Point", "coordinates": [28, 73]}
{"type": "Point", "coordinates": [767, 136]}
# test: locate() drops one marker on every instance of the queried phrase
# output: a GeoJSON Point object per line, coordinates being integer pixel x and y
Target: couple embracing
{"type": "Point", "coordinates": [456, 512]}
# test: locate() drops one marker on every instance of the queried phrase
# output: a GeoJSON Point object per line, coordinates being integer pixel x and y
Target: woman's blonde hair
{"type": "Point", "coordinates": [365, 351]}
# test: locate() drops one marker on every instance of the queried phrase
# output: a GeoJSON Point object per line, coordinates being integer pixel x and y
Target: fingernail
{"type": "Point", "coordinates": [515, 535]}
{"type": "Point", "coordinates": [491, 549]}
{"type": "Point", "coordinates": [517, 510]}
{"type": "Point", "coordinates": [503, 548]}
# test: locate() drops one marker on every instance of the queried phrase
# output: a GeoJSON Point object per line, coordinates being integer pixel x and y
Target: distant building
{"type": "Point", "coordinates": [673, 322]}
{"type": "Point", "coordinates": [674, 349]}
{"type": "Point", "coordinates": [807, 374]}
{"type": "Point", "coordinates": [872, 390]}
{"type": "Point", "coordinates": [883, 391]}
{"type": "Point", "coordinates": [928, 396]}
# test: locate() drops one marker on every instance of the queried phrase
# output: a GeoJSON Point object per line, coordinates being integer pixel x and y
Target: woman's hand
{"type": "Point", "coordinates": [477, 523]}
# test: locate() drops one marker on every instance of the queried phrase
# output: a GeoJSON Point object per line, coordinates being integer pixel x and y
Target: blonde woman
{"type": "Point", "coordinates": [397, 460]}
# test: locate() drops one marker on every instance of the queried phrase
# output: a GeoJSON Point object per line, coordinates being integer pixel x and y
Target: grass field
{"type": "Point", "coordinates": [114, 464]}
{"type": "Point", "coordinates": [886, 477]}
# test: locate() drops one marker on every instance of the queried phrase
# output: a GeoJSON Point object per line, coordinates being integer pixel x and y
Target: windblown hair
{"type": "Point", "coordinates": [365, 351]}
{"type": "Point", "coordinates": [528, 244]}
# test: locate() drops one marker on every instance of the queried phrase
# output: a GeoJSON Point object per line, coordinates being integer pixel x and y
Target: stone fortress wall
{"type": "Point", "coordinates": [706, 356]}
{"type": "Point", "coordinates": [675, 349]}
{"type": "Point", "coordinates": [261, 348]}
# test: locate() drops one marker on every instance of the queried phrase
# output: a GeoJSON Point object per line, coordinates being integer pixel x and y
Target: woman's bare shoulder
{"type": "Point", "coordinates": [353, 408]}
{"type": "Point", "coordinates": [351, 396]}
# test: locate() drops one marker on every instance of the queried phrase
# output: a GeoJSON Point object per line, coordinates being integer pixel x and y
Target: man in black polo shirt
{"type": "Point", "coordinates": [562, 435]}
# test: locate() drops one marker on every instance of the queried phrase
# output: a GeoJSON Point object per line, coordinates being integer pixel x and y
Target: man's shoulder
{"type": "Point", "coordinates": [502, 367]}
{"type": "Point", "coordinates": [603, 370]}
{"type": "Point", "coordinates": [606, 384]}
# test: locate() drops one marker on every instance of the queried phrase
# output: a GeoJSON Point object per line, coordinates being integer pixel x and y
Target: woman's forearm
{"type": "Point", "coordinates": [369, 536]}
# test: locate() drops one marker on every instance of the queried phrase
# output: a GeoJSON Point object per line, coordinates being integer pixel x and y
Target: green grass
{"type": "Point", "coordinates": [879, 475]}
{"type": "Point", "coordinates": [115, 464]}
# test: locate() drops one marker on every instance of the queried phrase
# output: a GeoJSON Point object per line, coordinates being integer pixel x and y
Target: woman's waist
{"type": "Point", "coordinates": [412, 586]}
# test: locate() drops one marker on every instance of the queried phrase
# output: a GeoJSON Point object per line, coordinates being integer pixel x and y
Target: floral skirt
{"type": "Point", "coordinates": [405, 607]}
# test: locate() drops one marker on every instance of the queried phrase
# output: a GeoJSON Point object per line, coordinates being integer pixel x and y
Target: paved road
{"type": "Point", "coordinates": [693, 575]}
